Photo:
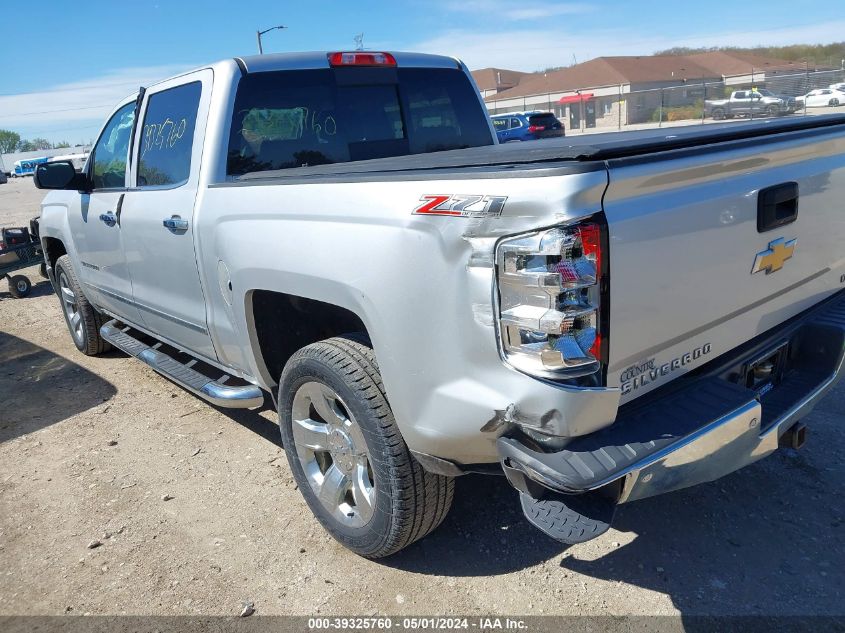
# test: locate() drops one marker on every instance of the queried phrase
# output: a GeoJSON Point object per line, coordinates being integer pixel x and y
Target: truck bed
{"type": "Point", "coordinates": [582, 150]}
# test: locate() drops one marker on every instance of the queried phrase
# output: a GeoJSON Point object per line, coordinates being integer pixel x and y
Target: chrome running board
{"type": "Point", "coordinates": [244, 396]}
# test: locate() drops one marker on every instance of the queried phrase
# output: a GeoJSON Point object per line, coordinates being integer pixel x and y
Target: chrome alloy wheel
{"type": "Point", "coordinates": [330, 446]}
{"type": "Point", "coordinates": [69, 305]}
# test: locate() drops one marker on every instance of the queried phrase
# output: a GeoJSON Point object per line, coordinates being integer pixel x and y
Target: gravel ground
{"type": "Point", "coordinates": [122, 493]}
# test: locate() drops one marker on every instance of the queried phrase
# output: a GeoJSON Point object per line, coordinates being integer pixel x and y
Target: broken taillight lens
{"type": "Point", "coordinates": [549, 286]}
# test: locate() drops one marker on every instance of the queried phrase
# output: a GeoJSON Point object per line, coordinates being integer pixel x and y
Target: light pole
{"type": "Point", "coordinates": [258, 35]}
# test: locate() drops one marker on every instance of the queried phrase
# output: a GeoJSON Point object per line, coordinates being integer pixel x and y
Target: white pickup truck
{"type": "Point", "coordinates": [602, 319]}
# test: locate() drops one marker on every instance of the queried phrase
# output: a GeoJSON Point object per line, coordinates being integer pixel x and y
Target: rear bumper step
{"type": "Point", "coordinates": [217, 392]}
{"type": "Point", "coordinates": [697, 433]}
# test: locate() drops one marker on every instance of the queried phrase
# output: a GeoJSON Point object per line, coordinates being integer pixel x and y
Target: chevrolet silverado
{"type": "Point", "coordinates": [600, 319]}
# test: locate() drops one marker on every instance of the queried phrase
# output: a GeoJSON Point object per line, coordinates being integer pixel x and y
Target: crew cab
{"type": "Point", "coordinates": [601, 319]}
{"type": "Point", "coordinates": [746, 103]}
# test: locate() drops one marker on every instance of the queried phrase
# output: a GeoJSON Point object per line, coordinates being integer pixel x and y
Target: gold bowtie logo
{"type": "Point", "coordinates": [772, 259]}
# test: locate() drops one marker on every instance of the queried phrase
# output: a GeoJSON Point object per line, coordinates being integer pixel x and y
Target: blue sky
{"type": "Point", "coordinates": [65, 63]}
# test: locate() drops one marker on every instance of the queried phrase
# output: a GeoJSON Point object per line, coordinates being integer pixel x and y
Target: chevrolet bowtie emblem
{"type": "Point", "coordinates": [772, 259]}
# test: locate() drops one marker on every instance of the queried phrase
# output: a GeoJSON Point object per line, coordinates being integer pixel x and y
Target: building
{"type": "Point", "coordinates": [617, 91]}
{"type": "Point", "coordinates": [491, 81]}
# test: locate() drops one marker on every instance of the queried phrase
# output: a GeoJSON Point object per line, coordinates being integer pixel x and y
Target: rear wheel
{"type": "Point", "coordinates": [82, 319]}
{"type": "Point", "coordinates": [833, 103]}
{"type": "Point", "coordinates": [19, 286]}
{"type": "Point", "coordinates": [347, 454]}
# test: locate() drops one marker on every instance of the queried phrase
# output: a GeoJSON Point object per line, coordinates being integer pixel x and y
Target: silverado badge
{"type": "Point", "coordinates": [771, 260]}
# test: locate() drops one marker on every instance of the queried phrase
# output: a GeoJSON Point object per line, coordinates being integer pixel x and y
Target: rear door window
{"type": "Point", "coordinates": [288, 119]}
{"type": "Point", "coordinates": [167, 137]}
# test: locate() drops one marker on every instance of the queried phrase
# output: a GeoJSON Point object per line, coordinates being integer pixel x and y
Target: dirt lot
{"type": "Point", "coordinates": [89, 447]}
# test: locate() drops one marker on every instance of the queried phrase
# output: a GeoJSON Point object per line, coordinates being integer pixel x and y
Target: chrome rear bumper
{"type": "Point", "coordinates": [699, 431]}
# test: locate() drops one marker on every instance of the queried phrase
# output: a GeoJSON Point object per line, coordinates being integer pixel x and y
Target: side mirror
{"type": "Point", "coordinates": [58, 175]}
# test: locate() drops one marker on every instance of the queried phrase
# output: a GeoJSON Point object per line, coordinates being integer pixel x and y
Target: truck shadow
{"type": "Point", "coordinates": [40, 388]}
{"type": "Point", "coordinates": [760, 541]}
{"type": "Point", "coordinates": [253, 420]}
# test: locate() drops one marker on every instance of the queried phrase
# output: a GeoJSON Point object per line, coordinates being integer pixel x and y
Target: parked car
{"type": "Point", "coordinates": [601, 320]}
{"type": "Point", "coordinates": [526, 126]}
{"type": "Point", "coordinates": [747, 103]}
{"type": "Point", "coordinates": [822, 98]}
{"type": "Point", "coordinates": [3, 179]}
{"type": "Point", "coordinates": [838, 86]}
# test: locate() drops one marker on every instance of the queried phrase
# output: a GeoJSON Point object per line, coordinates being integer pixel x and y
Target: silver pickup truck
{"type": "Point", "coordinates": [601, 319]}
{"type": "Point", "coordinates": [750, 103]}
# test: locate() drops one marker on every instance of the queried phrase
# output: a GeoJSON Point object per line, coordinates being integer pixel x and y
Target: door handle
{"type": "Point", "coordinates": [175, 223]}
{"type": "Point", "coordinates": [108, 219]}
{"type": "Point", "coordinates": [777, 206]}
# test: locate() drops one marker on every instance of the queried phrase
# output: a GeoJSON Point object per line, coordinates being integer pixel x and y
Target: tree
{"type": "Point", "coordinates": [42, 143]}
{"type": "Point", "coordinates": [26, 146]}
{"type": "Point", "coordinates": [8, 141]}
{"type": "Point", "coordinates": [61, 145]}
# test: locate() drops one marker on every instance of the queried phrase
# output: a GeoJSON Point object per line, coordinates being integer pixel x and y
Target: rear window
{"type": "Point", "coordinates": [299, 118]}
{"type": "Point", "coordinates": [547, 119]}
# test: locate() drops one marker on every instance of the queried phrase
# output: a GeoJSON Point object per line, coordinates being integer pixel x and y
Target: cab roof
{"type": "Point", "coordinates": [320, 59]}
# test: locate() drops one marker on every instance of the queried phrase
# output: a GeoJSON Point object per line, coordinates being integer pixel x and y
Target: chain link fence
{"type": "Point", "coordinates": [759, 93]}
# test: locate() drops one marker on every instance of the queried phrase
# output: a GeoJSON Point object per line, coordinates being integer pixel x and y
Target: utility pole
{"type": "Point", "coordinates": [258, 35]}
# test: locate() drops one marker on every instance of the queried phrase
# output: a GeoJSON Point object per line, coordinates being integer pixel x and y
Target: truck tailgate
{"type": "Point", "coordinates": [684, 242]}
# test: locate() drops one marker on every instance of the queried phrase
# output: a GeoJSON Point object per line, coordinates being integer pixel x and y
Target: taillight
{"type": "Point", "coordinates": [550, 300]}
{"type": "Point", "coordinates": [536, 128]}
{"type": "Point", "coordinates": [358, 58]}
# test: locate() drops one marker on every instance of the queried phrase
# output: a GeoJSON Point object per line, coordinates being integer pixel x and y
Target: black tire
{"type": "Point", "coordinates": [833, 103]}
{"type": "Point", "coordinates": [718, 114]}
{"type": "Point", "coordinates": [19, 286]}
{"type": "Point", "coordinates": [42, 270]}
{"type": "Point", "coordinates": [409, 501]}
{"type": "Point", "coordinates": [87, 337]}
{"type": "Point", "coordinates": [772, 110]}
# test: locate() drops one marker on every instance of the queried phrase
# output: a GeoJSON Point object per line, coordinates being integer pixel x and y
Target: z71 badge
{"type": "Point", "coordinates": [460, 205]}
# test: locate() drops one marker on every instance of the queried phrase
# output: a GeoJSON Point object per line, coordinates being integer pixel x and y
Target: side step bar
{"type": "Point", "coordinates": [214, 391]}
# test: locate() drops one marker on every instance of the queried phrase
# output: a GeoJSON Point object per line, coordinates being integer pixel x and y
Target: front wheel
{"type": "Point", "coordinates": [772, 110]}
{"type": "Point", "coordinates": [718, 114]}
{"type": "Point", "coordinates": [833, 103]}
{"type": "Point", "coordinates": [82, 319]}
{"type": "Point", "coordinates": [347, 454]}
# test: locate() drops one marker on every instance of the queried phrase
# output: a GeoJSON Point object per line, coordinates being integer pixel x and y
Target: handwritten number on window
{"type": "Point", "coordinates": [163, 135]}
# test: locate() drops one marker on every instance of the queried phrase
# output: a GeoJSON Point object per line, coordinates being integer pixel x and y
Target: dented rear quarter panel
{"type": "Point", "coordinates": [423, 286]}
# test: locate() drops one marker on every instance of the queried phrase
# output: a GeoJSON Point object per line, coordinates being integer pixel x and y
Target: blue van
{"type": "Point", "coordinates": [526, 126]}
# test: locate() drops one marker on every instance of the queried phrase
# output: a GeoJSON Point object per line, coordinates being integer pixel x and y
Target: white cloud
{"type": "Point", "coordinates": [75, 110]}
{"type": "Point", "coordinates": [535, 49]}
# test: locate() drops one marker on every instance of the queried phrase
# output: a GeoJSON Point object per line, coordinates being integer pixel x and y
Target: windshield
{"type": "Point", "coordinates": [300, 118]}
